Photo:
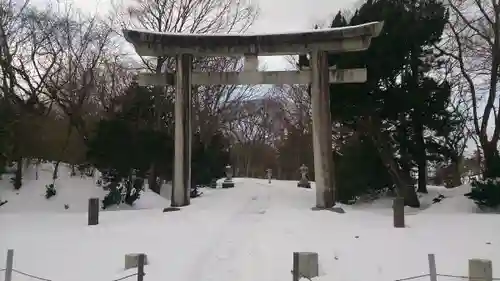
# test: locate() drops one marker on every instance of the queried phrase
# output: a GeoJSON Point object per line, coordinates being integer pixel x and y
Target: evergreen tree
{"type": "Point", "coordinates": [399, 101]}
{"type": "Point", "coordinates": [359, 171]}
{"type": "Point", "coordinates": [125, 145]}
{"type": "Point", "coordinates": [6, 119]}
{"type": "Point", "coordinates": [209, 159]}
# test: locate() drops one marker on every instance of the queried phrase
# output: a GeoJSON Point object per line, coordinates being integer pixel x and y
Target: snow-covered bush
{"type": "Point", "coordinates": [125, 191]}
{"type": "Point", "coordinates": [114, 196]}
{"type": "Point", "coordinates": [50, 190]}
{"type": "Point", "coordinates": [134, 192]}
{"type": "Point", "coordinates": [485, 193]}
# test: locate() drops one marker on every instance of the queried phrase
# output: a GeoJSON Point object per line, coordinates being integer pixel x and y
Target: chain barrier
{"type": "Point", "coordinates": [125, 277]}
{"type": "Point", "coordinates": [45, 279]}
{"type": "Point", "coordinates": [136, 274]}
{"type": "Point", "coordinates": [413, 277]}
{"type": "Point", "coordinates": [30, 275]}
{"type": "Point", "coordinates": [464, 277]}
{"type": "Point", "coordinates": [444, 275]}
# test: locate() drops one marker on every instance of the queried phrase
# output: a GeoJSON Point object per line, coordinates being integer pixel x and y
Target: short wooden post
{"type": "Point", "coordinates": [295, 270]}
{"type": "Point", "coordinates": [432, 267]}
{"type": "Point", "coordinates": [9, 265]}
{"type": "Point", "coordinates": [141, 260]}
{"type": "Point", "coordinates": [480, 270]}
{"type": "Point", "coordinates": [398, 208]}
{"type": "Point", "coordinates": [93, 214]}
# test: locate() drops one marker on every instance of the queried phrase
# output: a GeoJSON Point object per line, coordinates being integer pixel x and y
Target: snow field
{"type": "Point", "coordinates": [247, 233]}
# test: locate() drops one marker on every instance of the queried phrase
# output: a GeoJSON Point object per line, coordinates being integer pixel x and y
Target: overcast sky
{"type": "Point", "coordinates": [275, 16]}
{"type": "Point", "coordinates": [293, 15]}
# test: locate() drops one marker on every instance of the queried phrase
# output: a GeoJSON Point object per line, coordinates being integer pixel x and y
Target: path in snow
{"type": "Point", "coordinates": [236, 244]}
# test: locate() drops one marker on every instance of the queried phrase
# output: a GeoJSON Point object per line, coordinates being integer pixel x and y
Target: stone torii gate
{"type": "Point", "coordinates": [316, 43]}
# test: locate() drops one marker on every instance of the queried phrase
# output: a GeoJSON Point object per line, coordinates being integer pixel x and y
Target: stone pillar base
{"type": "Point", "coordinates": [304, 184]}
{"type": "Point", "coordinates": [227, 184]}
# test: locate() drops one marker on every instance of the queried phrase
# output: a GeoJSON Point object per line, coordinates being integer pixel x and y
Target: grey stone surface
{"type": "Point", "coordinates": [229, 172]}
{"type": "Point", "coordinates": [398, 207]}
{"type": "Point", "coordinates": [228, 182]}
{"type": "Point", "coordinates": [338, 210]}
{"type": "Point", "coordinates": [269, 174]}
{"type": "Point", "coordinates": [480, 270]}
{"type": "Point", "coordinates": [158, 44]}
{"type": "Point", "coordinates": [93, 212]}
{"type": "Point", "coordinates": [182, 131]}
{"type": "Point", "coordinates": [303, 182]}
{"type": "Point", "coordinates": [131, 260]}
{"type": "Point", "coordinates": [308, 264]}
{"type": "Point", "coordinates": [171, 209]}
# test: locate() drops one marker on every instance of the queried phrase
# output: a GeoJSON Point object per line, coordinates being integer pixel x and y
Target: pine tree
{"type": "Point", "coordinates": [399, 101]}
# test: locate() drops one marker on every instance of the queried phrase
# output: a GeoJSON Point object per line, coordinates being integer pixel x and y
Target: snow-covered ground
{"type": "Point", "coordinates": [247, 233]}
{"type": "Point", "coordinates": [73, 191]}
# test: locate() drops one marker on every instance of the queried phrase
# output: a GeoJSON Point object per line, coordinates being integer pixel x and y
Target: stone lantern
{"type": "Point", "coordinates": [228, 182]}
{"type": "Point", "coordinates": [269, 174]}
{"type": "Point", "coordinates": [304, 182]}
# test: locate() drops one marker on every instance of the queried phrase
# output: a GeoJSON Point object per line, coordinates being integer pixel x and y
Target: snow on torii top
{"type": "Point", "coordinates": [343, 39]}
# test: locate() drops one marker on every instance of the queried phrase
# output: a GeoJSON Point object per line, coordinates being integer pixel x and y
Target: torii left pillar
{"type": "Point", "coordinates": [322, 131]}
{"type": "Point", "coordinates": [183, 131]}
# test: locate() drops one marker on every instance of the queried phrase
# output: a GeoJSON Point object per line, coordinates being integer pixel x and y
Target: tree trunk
{"type": "Point", "coordinates": [152, 179]}
{"type": "Point", "coordinates": [386, 151]}
{"type": "Point", "coordinates": [405, 160]}
{"type": "Point", "coordinates": [18, 176]}
{"type": "Point", "coordinates": [63, 149]}
{"type": "Point", "coordinates": [56, 169]}
{"type": "Point", "coordinates": [421, 156]}
{"type": "Point", "coordinates": [73, 171]}
{"type": "Point", "coordinates": [18, 179]}
{"type": "Point", "coordinates": [491, 161]}
{"type": "Point", "coordinates": [407, 191]}
{"type": "Point", "coordinates": [37, 167]}
{"type": "Point", "coordinates": [456, 170]}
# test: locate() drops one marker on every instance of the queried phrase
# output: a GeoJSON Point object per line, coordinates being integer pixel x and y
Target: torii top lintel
{"type": "Point", "coordinates": [344, 39]}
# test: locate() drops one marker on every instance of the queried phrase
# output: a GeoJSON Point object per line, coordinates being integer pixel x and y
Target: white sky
{"type": "Point", "coordinates": [275, 16]}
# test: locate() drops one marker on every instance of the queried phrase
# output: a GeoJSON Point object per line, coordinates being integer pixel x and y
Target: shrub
{"type": "Point", "coordinates": [114, 196]}
{"type": "Point", "coordinates": [50, 190]}
{"type": "Point", "coordinates": [132, 192]}
{"type": "Point", "coordinates": [360, 173]}
{"type": "Point", "coordinates": [485, 193]}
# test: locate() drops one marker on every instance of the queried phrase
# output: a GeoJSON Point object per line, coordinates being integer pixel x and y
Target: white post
{"type": "Point", "coordinates": [432, 267]}
{"type": "Point", "coordinates": [305, 264]}
{"type": "Point", "coordinates": [183, 119]}
{"type": "Point", "coordinates": [480, 270]}
{"type": "Point", "coordinates": [9, 265]}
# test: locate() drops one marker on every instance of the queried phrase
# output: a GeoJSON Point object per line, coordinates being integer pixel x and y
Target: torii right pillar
{"type": "Point", "coordinates": [322, 131]}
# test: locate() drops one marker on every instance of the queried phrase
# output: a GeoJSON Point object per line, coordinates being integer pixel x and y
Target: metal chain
{"type": "Point", "coordinates": [464, 277]}
{"type": "Point", "coordinates": [125, 277]}
{"type": "Point", "coordinates": [413, 277]}
{"type": "Point", "coordinates": [30, 275]}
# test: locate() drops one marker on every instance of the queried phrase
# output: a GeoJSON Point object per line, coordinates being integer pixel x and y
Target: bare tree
{"type": "Point", "coordinates": [296, 103]}
{"type": "Point", "coordinates": [113, 78]}
{"type": "Point", "coordinates": [472, 43]}
{"type": "Point", "coordinates": [257, 128]}
{"type": "Point", "coordinates": [191, 16]}
{"type": "Point", "coordinates": [86, 43]}
{"type": "Point", "coordinates": [27, 60]}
